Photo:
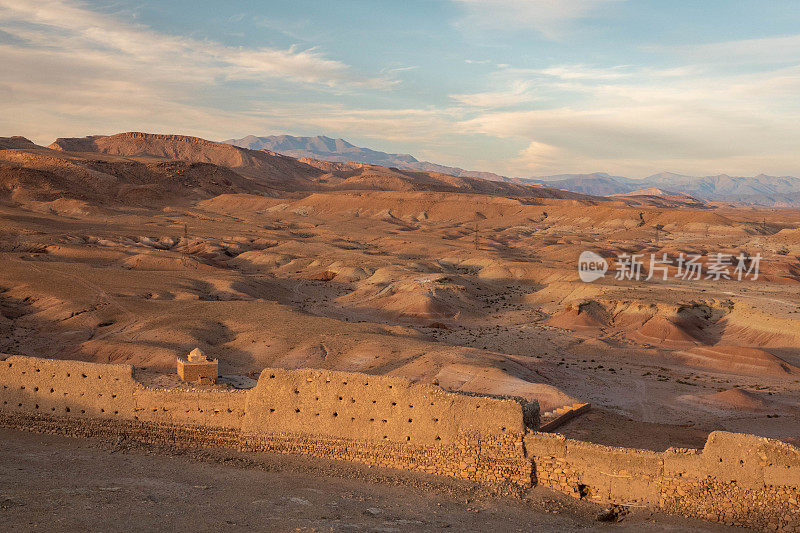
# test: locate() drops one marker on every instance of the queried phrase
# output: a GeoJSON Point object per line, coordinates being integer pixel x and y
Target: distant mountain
{"type": "Point", "coordinates": [597, 184]}
{"type": "Point", "coordinates": [653, 196]}
{"type": "Point", "coordinates": [764, 190]}
{"type": "Point", "coordinates": [340, 151]}
{"type": "Point", "coordinates": [757, 190]}
{"type": "Point", "coordinates": [154, 170]}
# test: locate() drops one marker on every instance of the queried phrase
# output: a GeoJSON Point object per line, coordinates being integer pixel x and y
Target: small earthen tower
{"type": "Point", "coordinates": [198, 368]}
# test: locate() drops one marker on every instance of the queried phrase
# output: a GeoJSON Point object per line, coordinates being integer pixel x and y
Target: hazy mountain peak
{"type": "Point", "coordinates": [341, 151]}
{"type": "Point", "coordinates": [757, 190]}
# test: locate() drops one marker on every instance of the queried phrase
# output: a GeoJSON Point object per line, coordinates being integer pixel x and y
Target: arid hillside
{"type": "Point", "coordinates": [137, 248]}
{"type": "Point", "coordinates": [286, 173]}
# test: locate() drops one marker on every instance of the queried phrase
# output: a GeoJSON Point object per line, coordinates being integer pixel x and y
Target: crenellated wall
{"type": "Point", "coordinates": [736, 479]}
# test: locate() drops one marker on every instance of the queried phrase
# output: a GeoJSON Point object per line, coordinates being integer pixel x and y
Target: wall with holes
{"type": "Point", "coordinates": [66, 388]}
{"type": "Point", "coordinates": [108, 391]}
{"type": "Point", "coordinates": [378, 420]}
{"type": "Point", "coordinates": [736, 479]}
{"type": "Point", "coordinates": [374, 408]}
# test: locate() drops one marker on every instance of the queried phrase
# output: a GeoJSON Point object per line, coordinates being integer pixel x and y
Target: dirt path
{"type": "Point", "coordinates": [50, 483]}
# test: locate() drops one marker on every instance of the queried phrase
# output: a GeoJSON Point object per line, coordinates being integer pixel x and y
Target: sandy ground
{"type": "Point", "coordinates": [50, 483]}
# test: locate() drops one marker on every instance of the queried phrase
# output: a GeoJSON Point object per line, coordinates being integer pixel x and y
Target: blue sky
{"type": "Point", "coordinates": [522, 88]}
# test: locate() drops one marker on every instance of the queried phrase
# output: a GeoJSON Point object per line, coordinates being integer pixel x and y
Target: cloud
{"type": "Point", "coordinates": [68, 70]}
{"type": "Point", "coordinates": [76, 33]}
{"type": "Point", "coordinates": [550, 18]}
{"type": "Point", "coordinates": [405, 125]}
{"type": "Point", "coordinates": [524, 85]}
{"type": "Point", "coordinates": [519, 92]}
{"type": "Point", "coordinates": [583, 72]}
{"type": "Point", "coordinates": [763, 51]}
{"type": "Point", "coordinates": [537, 157]}
{"type": "Point", "coordinates": [689, 120]}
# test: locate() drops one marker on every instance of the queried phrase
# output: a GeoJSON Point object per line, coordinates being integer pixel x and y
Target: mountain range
{"type": "Point", "coordinates": [153, 170]}
{"type": "Point", "coordinates": [775, 191]}
{"type": "Point", "coordinates": [339, 150]}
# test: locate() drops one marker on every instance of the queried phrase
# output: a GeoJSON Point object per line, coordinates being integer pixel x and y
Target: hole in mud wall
{"type": "Point", "coordinates": [583, 491]}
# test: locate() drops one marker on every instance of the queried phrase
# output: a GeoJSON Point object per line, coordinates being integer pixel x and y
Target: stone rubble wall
{"type": "Point", "coordinates": [736, 479]}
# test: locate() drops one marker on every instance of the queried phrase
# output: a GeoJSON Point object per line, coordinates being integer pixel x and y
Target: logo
{"type": "Point", "coordinates": [591, 266]}
{"type": "Point", "coordinates": [686, 267]}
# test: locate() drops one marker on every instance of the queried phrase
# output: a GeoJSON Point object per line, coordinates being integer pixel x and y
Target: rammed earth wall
{"type": "Point", "coordinates": [372, 419]}
{"type": "Point", "coordinates": [735, 479]}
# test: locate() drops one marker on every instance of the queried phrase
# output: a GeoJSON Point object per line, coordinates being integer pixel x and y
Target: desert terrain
{"type": "Point", "coordinates": [136, 248]}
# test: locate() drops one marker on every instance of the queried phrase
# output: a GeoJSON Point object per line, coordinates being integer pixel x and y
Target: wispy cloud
{"type": "Point", "coordinates": [519, 92]}
{"type": "Point", "coordinates": [636, 120]}
{"type": "Point", "coordinates": [74, 32]}
{"type": "Point", "coordinates": [764, 51]}
{"type": "Point", "coordinates": [550, 18]}
{"type": "Point", "coordinates": [538, 157]}
{"type": "Point", "coordinates": [404, 125]}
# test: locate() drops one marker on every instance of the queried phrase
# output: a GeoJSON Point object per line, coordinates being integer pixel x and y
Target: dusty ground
{"type": "Point", "coordinates": [50, 483]}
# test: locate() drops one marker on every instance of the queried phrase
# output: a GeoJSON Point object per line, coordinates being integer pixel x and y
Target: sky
{"type": "Point", "coordinates": [517, 87]}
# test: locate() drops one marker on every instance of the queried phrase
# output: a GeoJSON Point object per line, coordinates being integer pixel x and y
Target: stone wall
{"type": "Point", "coordinates": [735, 479]}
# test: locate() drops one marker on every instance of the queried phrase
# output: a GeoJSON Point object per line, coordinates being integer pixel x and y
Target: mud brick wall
{"type": "Point", "coordinates": [736, 479]}
{"type": "Point", "coordinates": [107, 391]}
{"type": "Point", "coordinates": [374, 409]}
{"type": "Point", "coordinates": [371, 419]}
